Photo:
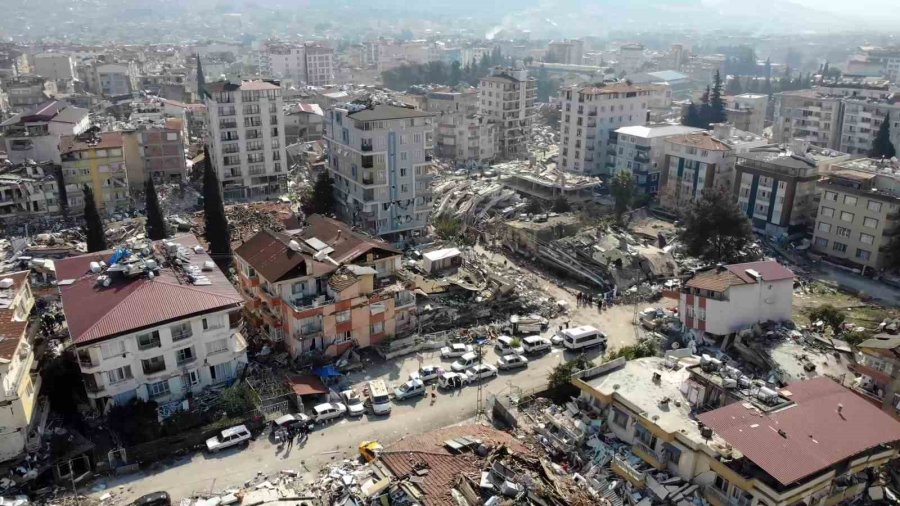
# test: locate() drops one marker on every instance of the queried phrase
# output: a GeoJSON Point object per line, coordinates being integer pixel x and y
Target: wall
{"type": "Point", "coordinates": [746, 306]}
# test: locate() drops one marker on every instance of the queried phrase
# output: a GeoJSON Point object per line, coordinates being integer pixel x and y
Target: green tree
{"type": "Point", "coordinates": [716, 103]}
{"type": "Point", "coordinates": [734, 86]}
{"type": "Point", "coordinates": [715, 229]}
{"type": "Point", "coordinates": [533, 207]}
{"type": "Point", "coordinates": [93, 225]}
{"type": "Point", "coordinates": [881, 144]}
{"type": "Point", "coordinates": [237, 400]}
{"type": "Point", "coordinates": [447, 227]}
{"type": "Point", "coordinates": [217, 233]}
{"type": "Point", "coordinates": [561, 205]}
{"type": "Point", "coordinates": [622, 189]}
{"type": "Point", "coordinates": [691, 117]}
{"type": "Point", "coordinates": [156, 224]}
{"type": "Point", "coordinates": [562, 373]}
{"type": "Point", "coordinates": [455, 73]}
{"type": "Point", "coordinates": [829, 315]}
{"type": "Point", "coordinates": [321, 199]}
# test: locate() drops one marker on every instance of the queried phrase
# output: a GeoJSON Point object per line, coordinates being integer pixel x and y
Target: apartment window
{"type": "Point", "coordinates": [153, 365]}
{"type": "Point", "coordinates": [849, 200]}
{"type": "Point", "coordinates": [863, 254]}
{"type": "Point", "coordinates": [148, 340]}
{"type": "Point", "coordinates": [220, 373]}
{"type": "Point", "coordinates": [620, 418]}
{"type": "Point", "coordinates": [842, 231]}
{"type": "Point", "coordinates": [821, 243]}
{"type": "Point", "coordinates": [403, 156]}
{"type": "Point", "coordinates": [342, 317]}
{"type": "Point", "coordinates": [217, 346]}
{"type": "Point", "coordinates": [185, 355]}
{"type": "Point", "coordinates": [190, 379]}
{"type": "Point", "coordinates": [827, 212]}
{"type": "Point", "coordinates": [874, 205]}
{"type": "Point", "coordinates": [831, 196]}
{"type": "Point", "coordinates": [212, 322]}
{"type": "Point", "coordinates": [839, 247]}
{"type": "Point", "coordinates": [181, 331]}
{"type": "Point", "coordinates": [845, 216]}
{"type": "Point", "coordinates": [377, 328]}
{"type": "Point", "coordinates": [870, 222]}
{"type": "Point", "coordinates": [120, 374]}
{"type": "Point", "coordinates": [111, 349]}
{"type": "Point", "coordinates": [158, 389]}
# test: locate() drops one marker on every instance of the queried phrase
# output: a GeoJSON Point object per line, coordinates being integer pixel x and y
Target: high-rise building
{"type": "Point", "coordinates": [55, 66]}
{"type": "Point", "coordinates": [246, 132]}
{"type": "Point", "coordinates": [506, 97]}
{"type": "Point", "coordinates": [639, 150]}
{"type": "Point", "coordinates": [462, 134]}
{"type": "Point", "coordinates": [96, 160]}
{"type": "Point", "coordinates": [319, 65]}
{"type": "Point", "coordinates": [380, 158]}
{"type": "Point", "coordinates": [590, 116]}
{"type": "Point", "coordinates": [569, 52]}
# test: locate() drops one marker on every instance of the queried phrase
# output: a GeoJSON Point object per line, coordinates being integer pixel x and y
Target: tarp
{"type": "Point", "coordinates": [328, 371]}
{"type": "Point", "coordinates": [118, 255]}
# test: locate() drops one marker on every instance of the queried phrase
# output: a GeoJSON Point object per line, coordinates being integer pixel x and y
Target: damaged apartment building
{"type": "Point", "coordinates": [28, 190]}
{"type": "Point", "coordinates": [324, 289]}
{"type": "Point", "coordinates": [689, 430]}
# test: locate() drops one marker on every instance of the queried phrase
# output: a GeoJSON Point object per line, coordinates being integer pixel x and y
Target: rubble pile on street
{"type": "Point", "coordinates": [473, 201]}
{"type": "Point", "coordinates": [245, 220]}
{"type": "Point", "coordinates": [283, 486]}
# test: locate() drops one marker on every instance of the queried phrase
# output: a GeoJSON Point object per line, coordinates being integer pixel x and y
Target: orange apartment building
{"type": "Point", "coordinates": [326, 288]}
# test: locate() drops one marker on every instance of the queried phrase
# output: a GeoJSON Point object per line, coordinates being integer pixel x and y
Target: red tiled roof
{"type": "Point", "coordinates": [306, 384]}
{"type": "Point", "coordinates": [348, 245]}
{"type": "Point", "coordinates": [443, 471]}
{"type": "Point", "coordinates": [11, 331]}
{"type": "Point", "coordinates": [94, 312]}
{"type": "Point", "coordinates": [268, 253]}
{"type": "Point", "coordinates": [815, 437]}
{"type": "Point", "coordinates": [769, 270]}
{"type": "Point", "coordinates": [878, 376]}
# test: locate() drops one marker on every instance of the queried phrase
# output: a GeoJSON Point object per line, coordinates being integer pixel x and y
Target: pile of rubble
{"type": "Point", "coordinates": [284, 486]}
{"type": "Point", "coordinates": [472, 201]}
{"type": "Point", "coordinates": [245, 220]}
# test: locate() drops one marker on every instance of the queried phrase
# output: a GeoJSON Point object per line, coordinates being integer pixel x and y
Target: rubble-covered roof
{"type": "Point", "coordinates": [825, 425]}
{"type": "Point", "coordinates": [443, 471]}
{"type": "Point", "coordinates": [269, 254]}
{"type": "Point", "coordinates": [348, 245]}
{"type": "Point", "coordinates": [881, 342]}
{"type": "Point", "coordinates": [11, 330]}
{"type": "Point", "coordinates": [105, 140]}
{"type": "Point", "coordinates": [387, 112]}
{"type": "Point", "coordinates": [94, 312]}
{"type": "Point", "coordinates": [720, 279]}
{"type": "Point", "coordinates": [702, 140]}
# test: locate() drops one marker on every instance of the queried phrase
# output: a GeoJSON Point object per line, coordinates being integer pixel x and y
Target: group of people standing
{"type": "Point", "coordinates": [588, 300]}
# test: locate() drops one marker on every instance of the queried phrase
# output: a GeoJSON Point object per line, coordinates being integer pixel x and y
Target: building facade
{"type": "Point", "coordinates": [506, 97]}
{"type": "Point", "coordinates": [185, 337]}
{"type": "Point", "coordinates": [857, 219]}
{"type": "Point", "coordinates": [747, 111]}
{"type": "Point", "coordinates": [463, 135]}
{"type": "Point", "coordinates": [35, 135]}
{"type": "Point", "coordinates": [691, 164]}
{"type": "Point", "coordinates": [862, 119]}
{"type": "Point", "coordinates": [381, 161]}
{"type": "Point", "coordinates": [326, 289]}
{"type": "Point", "coordinates": [246, 132]}
{"type": "Point", "coordinates": [54, 66]}
{"type": "Point", "coordinates": [590, 117]}
{"type": "Point", "coordinates": [879, 372]}
{"type": "Point", "coordinates": [116, 79]}
{"type": "Point", "coordinates": [639, 150]}
{"type": "Point", "coordinates": [319, 65]}
{"type": "Point", "coordinates": [28, 190]}
{"type": "Point", "coordinates": [97, 160]}
{"type": "Point", "coordinates": [808, 115]}
{"type": "Point", "coordinates": [27, 92]}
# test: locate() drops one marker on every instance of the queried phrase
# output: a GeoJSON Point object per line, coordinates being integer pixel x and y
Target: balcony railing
{"type": "Point", "coordinates": [185, 361]}
{"type": "Point", "coordinates": [621, 467]}
{"type": "Point", "coordinates": [154, 368]}
{"type": "Point", "coordinates": [178, 335]}
{"type": "Point", "coordinates": [149, 345]}
{"type": "Point", "coordinates": [303, 303]}
{"type": "Point", "coordinates": [94, 388]}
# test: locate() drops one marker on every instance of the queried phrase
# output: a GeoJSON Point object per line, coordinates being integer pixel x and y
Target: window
{"type": "Point", "coordinates": [190, 379]}
{"type": "Point", "coordinates": [112, 348]}
{"type": "Point", "coordinates": [148, 340]}
{"type": "Point", "coordinates": [185, 355]}
{"type": "Point", "coordinates": [843, 232]}
{"type": "Point", "coordinates": [158, 389]}
{"type": "Point", "coordinates": [874, 205]}
{"type": "Point", "coordinates": [342, 317]}
{"type": "Point", "coordinates": [620, 418]}
{"type": "Point", "coordinates": [181, 331]}
{"type": "Point", "coordinates": [217, 346]}
{"type": "Point", "coordinates": [403, 155]}
{"type": "Point", "coordinates": [870, 222]}
{"type": "Point", "coordinates": [824, 227]}
{"type": "Point", "coordinates": [849, 200]}
{"type": "Point", "coordinates": [845, 216]}
{"type": "Point", "coordinates": [866, 238]}
{"type": "Point", "coordinates": [645, 437]}
{"type": "Point", "coordinates": [377, 328]}
{"type": "Point", "coordinates": [827, 212]}
{"type": "Point", "coordinates": [821, 243]}
{"type": "Point", "coordinates": [153, 365]}
{"type": "Point", "coordinates": [863, 254]}
{"type": "Point", "coordinates": [120, 374]}
{"type": "Point", "coordinates": [212, 322]}
{"type": "Point", "coordinates": [839, 247]}
{"type": "Point", "coordinates": [220, 373]}
{"type": "Point", "coordinates": [831, 196]}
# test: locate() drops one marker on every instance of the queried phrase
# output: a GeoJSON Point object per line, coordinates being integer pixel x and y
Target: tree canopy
{"type": "Point", "coordinates": [882, 147]}
{"type": "Point", "coordinates": [320, 200]}
{"type": "Point", "coordinates": [156, 224]}
{"type": "Point", "coordinates": [715, 229]}
{"type": "Point", "coordinates": [93, 225]}
{"type": "Point", "coordinates": [217, 233]}
{"type": "Point", "coordinates": [622, 189]}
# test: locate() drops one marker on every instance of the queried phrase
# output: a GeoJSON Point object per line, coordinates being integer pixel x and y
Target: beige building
{"type": "Point", "coordinates": [857, 218]}
{"type": "Point", "coordinates": [506, 97]}
{"type": "Point", "coordinates": [462, 134]}
{"type": "Point", "coordinates": [692, 163]}
{"type": "Point", "coordinates": [809, 115]}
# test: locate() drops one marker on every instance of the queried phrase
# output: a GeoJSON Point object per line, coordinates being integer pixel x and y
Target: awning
{"type": "Point", "coordinates": [307, 384]}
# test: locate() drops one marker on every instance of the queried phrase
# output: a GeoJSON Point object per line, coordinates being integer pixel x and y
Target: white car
{"type": "Point", "coordinates": [452, 380]}
{"type": "Point", "coordinates": [328, 411]}
{"type": "Point", "coordinates": [464, 362]}
{"type": "Point", "coordinates": [480, 372]}
{"type": "Point", "coordinates": [505, 346]}
{"type": "Point", "coordinates": [410, 389]}
{"type": "Point", "coordinates": [229, 437]}
{"type": "Point", "coordinates": [426, 373]}
{"type": "Point", "coordinates": [511, 361]}
{"type": "Point", "coordinates": [456, 350]}
{"type": "Point", "coordinates": [290, 420]}
{"type": "Point", "coordinates": [353, 402]}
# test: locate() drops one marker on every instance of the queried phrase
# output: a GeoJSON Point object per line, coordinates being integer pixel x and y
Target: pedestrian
{"type": "Point", "coordinates": [290, 437]}
{"type": "Point", "coordinates": [600, 304]}
{"type": "Point", "coordinates": [567, 323]}
{"type": "Point", "coordinates": [578, 298]}
{"type": "Point", "coordinates": [590, 299]}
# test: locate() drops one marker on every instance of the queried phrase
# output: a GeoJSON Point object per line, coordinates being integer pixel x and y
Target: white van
{"type": "Point", "coordinates": [535, 344]}
{"type": "Point", "coordinates": [578, 338]}
{"type": "Point", "coordinates": [378, 396]}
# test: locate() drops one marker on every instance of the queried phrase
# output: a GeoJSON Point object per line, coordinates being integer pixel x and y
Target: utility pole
{"type": "Point", "coordinates": [479, 399]}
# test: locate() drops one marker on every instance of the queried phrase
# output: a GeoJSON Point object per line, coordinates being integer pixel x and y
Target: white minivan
{"type": "Point", "coordinates": [579, 338]}
{"type": "Point", "coordinates": [378, 396]}
{"type": "Point", "coordinates": [535, 344]}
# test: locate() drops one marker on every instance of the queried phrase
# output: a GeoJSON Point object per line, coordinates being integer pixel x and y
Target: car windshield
{"type": "Point", "coordinates": [353, 400]}
{"type": "Point", "coordinates": [380, 399]}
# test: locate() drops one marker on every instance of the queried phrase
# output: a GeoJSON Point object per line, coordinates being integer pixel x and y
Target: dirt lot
{"type": "Point", "coordinates": [858, 311]}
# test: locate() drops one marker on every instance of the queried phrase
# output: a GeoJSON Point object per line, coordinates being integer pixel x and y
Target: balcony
{"type": "Point", "coordinates": [185, 361]}
{"type": "Point", "coordinates": [149, 345]}
{"type": "Point", "coordinates": [153, 368]}
{"type": "Point", "coordinates": [366, 147]}
{"type": "Point", "coordinates": [93, 388]}
{"type": "Point", "coordinates": [404, 299]}
{"type": "Point", "coordinates": [178, 335]}
{"type": "Point", "coordinates": [633, 474]}
{"type": "Point", "coordinates": [368, 162]}
{"type": "Point", "coordinates": [304, 303]}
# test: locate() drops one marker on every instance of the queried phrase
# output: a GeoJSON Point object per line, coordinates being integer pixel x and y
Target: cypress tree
{"type": "Point", "coordinates": [217, 233]}
{"type": "Point", "coordinates": [691, 117]}
{"type": "Point", "coordinates": [93, 225]}
{"type": "Point", "coordinates": [881, 144]}
{"type": "Point", "coordinates": [156, 225]}
{"type": "Point", "coordinates": [716, 104]}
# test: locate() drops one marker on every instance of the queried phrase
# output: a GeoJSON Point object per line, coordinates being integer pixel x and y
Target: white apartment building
{"type": "Point", "coordinates": [731, 298]}
{"type": "Point", "coordinates": [639, 150]}
{"type": "Point", "coordinates": [747, 111]}
{"type": "Point", "coordinates": [286, 61]}
{"type": "Point", "coordinates": [861, 120]}
{"type": "Point", "coordinates": [808, 115]}
{"type": "Point", "coordinates": [381, 161]}
{"type": "Point", "coordinates": [20, 385]}
{"type": "Point", "coordinates": [691, 164]}
{"type": "Point", "coordinates": [630, 58]}
{"type": "Point", "coordinates": [590, 116]}
{"type": "Point", "coordinates": [506, 97]}
{"type": "Point", "coordinates": [319, 65]}
{"type": "Point", "coordinates": [569, 52]}
{"type": "Point", "coordinates": [246, 131]}
{"type": "Point", "coordinates": [54, 66]}
{"type": "Point", "coordinates": [462, 134]}
{"type": "Point", "coordinates": [152, 338]}
{"type": "Point", "coordinates": [35, 135]}
{"type": "Point", "coordinates": [115, 79]}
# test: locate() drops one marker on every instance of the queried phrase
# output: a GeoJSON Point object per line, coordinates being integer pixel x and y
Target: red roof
{"type": "Point", "coordinates": [12, 330]}
{"type": "Point", "coordinates": [306, 384]}
{"type": "Point", "coordinates": [443, 472]}
{"type": "Point", "coordinates": [769, 270]}
{"type": "Point", "coordinates": [816, 436]}
{"type": "Point", "coordinates": [94, 312]}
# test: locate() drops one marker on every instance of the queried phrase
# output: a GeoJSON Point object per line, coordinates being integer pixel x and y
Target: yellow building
{"type": "Point", "coordinates": [97, 160]}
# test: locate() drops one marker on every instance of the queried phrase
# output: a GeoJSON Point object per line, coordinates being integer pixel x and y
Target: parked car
{"type": "Point", "coordinates": [511, 361]}
{"type": "Point", "coordinates": [353, 402]}
{"type": "Point", "coordinates": [329, 411]}
{"type": "Point", "coordinates": [504, 346]}
{"type": "Point", "coordinates": [292, 420]}
{"type": "Point", "coordinates": [232, 436]}
{"type": "Point", "coordinates": [464, 362]}
{"type": "Point", "coordinates": [455, 350]}
{"type": "Point", "coordinates": [535, 344]}
{"type": "Point", "coordinates": [153, 499]}
{"type": "Point", "coordinates": [426, 373]}
{"type": "Point", "coordinates": [410, 389]}
{"type": "Point", "coordinates": [452, 380]}
{"type": "Point", "coordinates": [480, 372]}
